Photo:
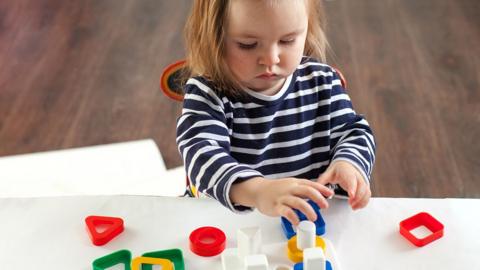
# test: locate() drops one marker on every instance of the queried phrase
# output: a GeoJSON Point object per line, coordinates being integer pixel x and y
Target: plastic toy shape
{"type": "Point", "coordinates": [319, 223]}
{"type": "Point", "coordinates": [256, 262]}
{"type": "Point", "coordinates": [207, 241]}
{"type": "Point", "coordinates": [122, 256]}
{"type": "Point", "coordinates": [305, 235]}
{"type": "Point", "coordinates": [249, 241]}
{"type": "Point", "coordinates": [247, 255]}
{"type": "Point", "coordinates": [138, 263]}
{"type": "Point", "coordinates": [421, 219]}
{"type": "Point", "coordinates": [173, 255]}
{"type": "Point", "coordinates": [114, 228]}
{"type": "Point", "coordinates": [295, 254]}
{"type": "Point", "coordinates": [299, 266]}
{"type": "Point", "coordinates": [314, 259]}
{"type": "Point", "coordinates": [231, 260]}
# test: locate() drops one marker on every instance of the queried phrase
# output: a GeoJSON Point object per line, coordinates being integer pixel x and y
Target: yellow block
{"type": "Point", "coordinates": [164, 263]}
{"type": "Point", "coordinates": [295, 254]}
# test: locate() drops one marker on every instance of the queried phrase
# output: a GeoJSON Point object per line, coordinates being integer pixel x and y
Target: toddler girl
{"type": "Point", "coordinates": [264, 124]}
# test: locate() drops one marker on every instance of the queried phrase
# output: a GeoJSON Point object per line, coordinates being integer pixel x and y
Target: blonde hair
{"type": "Point", "coordinates": [205, 34]}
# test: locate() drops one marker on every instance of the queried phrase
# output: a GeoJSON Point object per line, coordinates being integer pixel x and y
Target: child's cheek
{"type": "Point", "coordinates": [242, 63]}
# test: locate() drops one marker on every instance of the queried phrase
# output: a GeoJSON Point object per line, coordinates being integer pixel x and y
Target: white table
{"type": "Point", "coordinates": [49, 233]}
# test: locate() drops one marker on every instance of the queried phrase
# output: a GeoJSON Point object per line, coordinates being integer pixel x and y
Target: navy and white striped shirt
{"type": "Point", "coordinates": [297, 132]}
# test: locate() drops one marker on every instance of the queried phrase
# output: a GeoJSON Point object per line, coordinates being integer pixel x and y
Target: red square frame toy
{"type": "Point", "coordinates": [425, 219]}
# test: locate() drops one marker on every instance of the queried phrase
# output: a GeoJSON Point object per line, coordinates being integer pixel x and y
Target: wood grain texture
{"type": "Point", "coordinates": [83, 73]}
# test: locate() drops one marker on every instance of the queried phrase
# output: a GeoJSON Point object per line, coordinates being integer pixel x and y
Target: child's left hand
{"type": "Point", "coordinates": [350, 179]}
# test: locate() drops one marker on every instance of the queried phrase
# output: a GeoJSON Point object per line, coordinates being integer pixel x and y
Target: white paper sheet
{"type": "Point", "coordinates": [134, 168]}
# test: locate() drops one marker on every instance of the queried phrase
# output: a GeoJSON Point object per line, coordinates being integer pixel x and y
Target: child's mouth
{"type": "Point", "coordinates": [268, 76]}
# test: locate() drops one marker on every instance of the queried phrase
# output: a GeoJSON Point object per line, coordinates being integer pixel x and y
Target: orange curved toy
{"type": "Point", "coordinates": [167, 80]}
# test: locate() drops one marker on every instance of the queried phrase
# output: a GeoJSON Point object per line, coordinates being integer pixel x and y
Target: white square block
{"type": "Point", "coordinates": [256, 262]}
{"type": "Point", "coordinates": [230, 260]}
{"type": "Point", "coordinates": [314, 259]}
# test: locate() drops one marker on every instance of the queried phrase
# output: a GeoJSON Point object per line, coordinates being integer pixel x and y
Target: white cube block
{"type": "Point", "coordinates": [230, 260]}
{"type": "Point", "coordinates": [306, 233]}
{"type": "Point", "coordinates": [249, 241]}
{"type": "Point", "coordinates": [256, 262]}
{"type": "Point", "coordinates": [314, 259]}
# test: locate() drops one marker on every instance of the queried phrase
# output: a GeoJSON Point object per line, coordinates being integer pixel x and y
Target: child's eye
{"type": "Point", "coordinates": [287, 41]}
{"type": "Point", "coordinates": [247, 46]}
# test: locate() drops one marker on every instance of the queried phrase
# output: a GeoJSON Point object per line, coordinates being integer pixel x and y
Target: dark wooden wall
{"type": "Point", "coordinates": [86, 72]}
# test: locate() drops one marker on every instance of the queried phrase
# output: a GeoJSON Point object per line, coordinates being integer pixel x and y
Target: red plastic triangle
{"type": "Point", "coordinates": [114, 228]}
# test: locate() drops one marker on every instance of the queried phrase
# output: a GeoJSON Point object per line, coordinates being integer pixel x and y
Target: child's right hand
{"type": "Point", "coordinates": [279, 197]}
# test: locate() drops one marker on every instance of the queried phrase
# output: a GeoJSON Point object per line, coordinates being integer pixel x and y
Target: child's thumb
{"type": "Point", "coordinates": [325, 178]}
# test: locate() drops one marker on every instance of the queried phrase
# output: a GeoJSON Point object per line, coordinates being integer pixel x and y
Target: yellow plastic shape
{"type": "Point", "coordinates": [164, 263]}
{"type": "Point", "coordinates": [295, 254]}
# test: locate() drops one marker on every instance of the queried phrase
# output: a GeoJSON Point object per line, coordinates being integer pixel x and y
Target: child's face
{"type": "Point", "coordinates": [265, 41]}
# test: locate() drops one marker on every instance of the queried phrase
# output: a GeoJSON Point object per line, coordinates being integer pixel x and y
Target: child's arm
{"type": "Point", "coordinates": [353, 148]}
{"type": "Point", "coordinates": [203, 140]}
{"type": "Point", "coordinates": [279, 197]}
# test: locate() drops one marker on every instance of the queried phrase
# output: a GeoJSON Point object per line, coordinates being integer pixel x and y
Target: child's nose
{"type": "Point", "coordinates": [269, 57]}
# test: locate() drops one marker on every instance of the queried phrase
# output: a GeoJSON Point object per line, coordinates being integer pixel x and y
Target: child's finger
{"type": "Point", "coordinates": [350, 186]}
{"type": "Point", "coordinates": [303, 206]}
{"type": "Point", "coordinates": [325, 191]}
{"type": "Point", "coordinates": [289, 214]}
{"type": "Point", "coordinates": [363, 199]}
{"type": "Point", "coordinates": [326, 178]}
{"type": "Point", "coordinates": [362, 189]}
{"type": "Point", "coordinates": [360, 192]}
{"type": "Point", "coordinates": [362, 203]}
{"type": "Point", "coordinates": [309, 192]}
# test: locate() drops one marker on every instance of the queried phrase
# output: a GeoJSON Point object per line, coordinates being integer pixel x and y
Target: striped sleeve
{"type": "Point", "coordinates": [351, 136]}
{"type": "Point", "coordinates": [203, 140]}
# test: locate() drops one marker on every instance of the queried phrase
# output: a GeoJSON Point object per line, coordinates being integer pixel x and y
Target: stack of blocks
{"type": "Point", "coordinates": [305, 247]}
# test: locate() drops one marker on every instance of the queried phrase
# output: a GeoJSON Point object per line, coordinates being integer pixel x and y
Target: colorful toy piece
{"type": "Point", "coordinates": [313, 259]}
{"type": "Point", "coordinates": [138, 262]}
{"type": "Point", "coordinates": [122, 256]}
{"type": "Point", "coordinates": [295, 254]}
{"type": "Point", "coordinates": [421, 219]}
{"type": "Point", "coordinates": [174, 255]}
{"type": "Point", "coordinates": [207, 241]}
{"type": "Point", "coordinates": [319, 223]}
{"type": "Point", "coordinates": [308, 248]}
{"type": "Point", "coordinates": [115, 227]}
{"type": "Point", "coordinates": [299, 266]}
{"type": "Point", "coordinates": [305, 239]}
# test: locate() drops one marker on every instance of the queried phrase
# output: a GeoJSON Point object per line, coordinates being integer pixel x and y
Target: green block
{"type": "Point", "coordinates": [174, 255]}
{"type": "Point", "coordinates": [122, 256]}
